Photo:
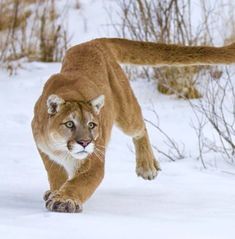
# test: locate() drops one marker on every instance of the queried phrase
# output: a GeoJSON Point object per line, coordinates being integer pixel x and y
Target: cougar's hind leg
{"type": "Point", "coordinates": [132, 123]}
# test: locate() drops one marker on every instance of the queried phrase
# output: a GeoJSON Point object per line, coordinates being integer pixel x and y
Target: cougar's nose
{"type": "Point", "coordinates": [84, 143]}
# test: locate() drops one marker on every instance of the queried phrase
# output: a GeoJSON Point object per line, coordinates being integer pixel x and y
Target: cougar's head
{"type": "Point", "coordinates": [74, 126]}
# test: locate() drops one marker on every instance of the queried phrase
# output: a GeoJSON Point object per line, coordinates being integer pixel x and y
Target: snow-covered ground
{"type": "Point", "coordinates": [185, 201]}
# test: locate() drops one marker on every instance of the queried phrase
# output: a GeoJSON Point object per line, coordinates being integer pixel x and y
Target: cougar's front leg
{"type": "Point", "coordinates": [56, 174]}
{"type": "Point", "coordinates": [74, 192]}
{"type": "Point", "coordinates": [146, 165]}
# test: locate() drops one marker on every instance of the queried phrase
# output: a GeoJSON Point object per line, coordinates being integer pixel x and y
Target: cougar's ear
{"type": "Point", "coordinates": [54, 103]}
{"type": "Point", "coordinates": [97, 103]}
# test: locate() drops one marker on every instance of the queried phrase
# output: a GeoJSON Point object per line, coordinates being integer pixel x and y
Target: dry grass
{"type": "Point", "coordinates": [9, 17]}
{"type": "Point", "coordinates": [32, 29]}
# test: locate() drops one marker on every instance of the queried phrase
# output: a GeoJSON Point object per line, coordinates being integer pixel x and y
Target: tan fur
{"type": "Point", "coordinates": [90, 70]}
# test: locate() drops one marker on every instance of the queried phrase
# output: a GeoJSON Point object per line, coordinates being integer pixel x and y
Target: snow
{"type": "Point", "coordinates": [185, 201]}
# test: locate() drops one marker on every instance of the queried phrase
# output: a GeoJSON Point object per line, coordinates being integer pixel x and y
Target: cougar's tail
{"type": "Point", "coordinates": [155, 54]}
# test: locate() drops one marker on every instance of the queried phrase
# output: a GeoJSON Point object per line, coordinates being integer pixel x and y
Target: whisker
{"type": "Point", "coordinates": [53, 163]}
{"type": "Point", "coordinates": [60, 166]}
{"type": "Point", "coordinates": [101, 152]}
{"type": "Point", "coordinates": [101, 146]}
{"type": "Point", "coordinates": [66, 156]}
{"type": "Point", "coordinates": [98, 156]}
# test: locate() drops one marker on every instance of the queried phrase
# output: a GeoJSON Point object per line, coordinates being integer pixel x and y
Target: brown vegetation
{"type": "Point", "coordinates": [31, 29]}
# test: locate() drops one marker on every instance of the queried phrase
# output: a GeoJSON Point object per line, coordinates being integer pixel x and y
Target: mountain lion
{"type": "Point", "coordinates": [74, 115]}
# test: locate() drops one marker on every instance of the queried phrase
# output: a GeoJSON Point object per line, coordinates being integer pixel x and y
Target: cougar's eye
{"type": "Point", "coordinates": [69, 124]}
{"type": "Point", "coordinates": [91, 125]}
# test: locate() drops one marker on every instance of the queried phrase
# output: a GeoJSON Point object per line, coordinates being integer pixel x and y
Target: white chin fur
{"type": "Point", "coordinates": [78, 151]}
{"type": "Point", "coordinates": [79, 156]}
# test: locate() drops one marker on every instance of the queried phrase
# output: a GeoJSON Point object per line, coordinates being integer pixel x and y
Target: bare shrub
{"type": "Point", "coordinates": [53, 38]}
{"type": "Point", "coordinates": [31, 29]}
{"type": "Point", "coordinates": [77, 4]}
{"type": "Point", "coordinates": [175, 151]}
{"type": "Point", "coordinates": [11, 16]}
{"type": "Point", "coordinates": [215, 114]}
{"type": "Point", "coordinates": [167, 21]}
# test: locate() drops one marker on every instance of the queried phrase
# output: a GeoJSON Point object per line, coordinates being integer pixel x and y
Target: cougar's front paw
{"type": "Point", "coordinates": [59, 203]}
{"type": "Point", "coordinates": [46, 195]}
{"type": "Point", "coordinates": [148, 170]}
